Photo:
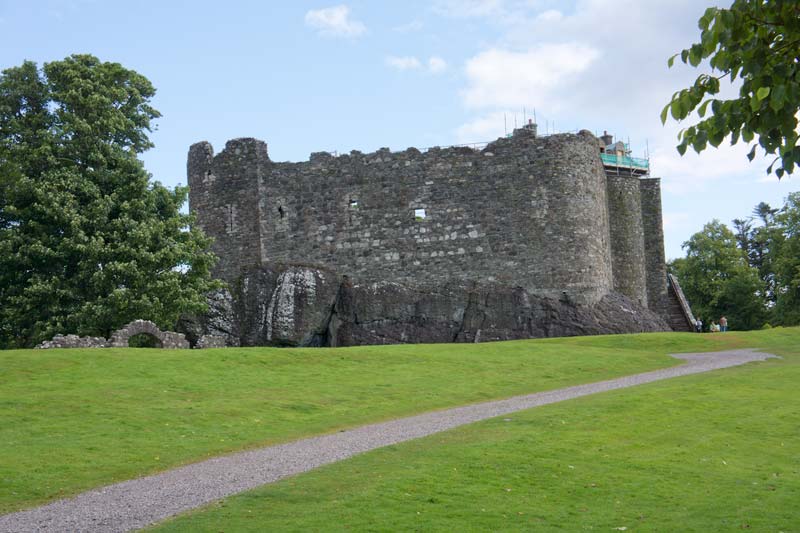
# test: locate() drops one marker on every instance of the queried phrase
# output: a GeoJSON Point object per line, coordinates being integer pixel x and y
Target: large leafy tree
{"type": "Point", "coordinates": [787, 263]}
{"type": "Point", "coordinates": [756, 45]}
{"type": "Point", "coordinates": [717, 279]}
{"type": "Point", "coordinates": [87, 241]}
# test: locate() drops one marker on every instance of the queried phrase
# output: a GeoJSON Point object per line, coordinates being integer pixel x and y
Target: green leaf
{"type": "Point", "coordinates": [671, 60]}
{"type": "Point", "coordinates": [706, 19]}
{"type": "Point", "coordinates": [695, 55]}
{"type": "Point", "coordinates": [777, 98]}
{"type": "Point", "coordinates": [675, 109]}
{"type": "Point", "coordinates": [762, 93]}
{"type": "Point", "coordinates": [664, 114]}
{"type": "Point", "coordinates": [702, 109]}
{"type": "Point", "coordinates": [685, 103]}
{"type": "Point", "coordinates": [752, 154]}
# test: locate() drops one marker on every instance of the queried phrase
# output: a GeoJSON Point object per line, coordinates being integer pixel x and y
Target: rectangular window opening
{"type": "Point", "coordinates": [419, 214]}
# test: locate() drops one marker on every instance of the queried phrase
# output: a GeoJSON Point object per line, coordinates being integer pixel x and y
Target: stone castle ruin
{"type": "Point", "coordinates": [530, 236]}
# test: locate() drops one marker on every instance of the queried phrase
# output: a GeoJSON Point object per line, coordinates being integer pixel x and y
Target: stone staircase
{"type": "Point", "coordinates": [679, 313]}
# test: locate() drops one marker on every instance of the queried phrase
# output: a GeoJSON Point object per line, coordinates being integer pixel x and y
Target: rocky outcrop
{"type": "Point", "coordinates": [285, 306]}
{"type": "Point", "coordinates": [219, 320]}
{"type": "Point", "coordinates": [311, 306]}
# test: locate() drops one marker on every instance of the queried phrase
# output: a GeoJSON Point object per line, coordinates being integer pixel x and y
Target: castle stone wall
{"type": "Point", "coordinates": [525, 211]}
{"type": "Point", "coordinates": [627, 237]}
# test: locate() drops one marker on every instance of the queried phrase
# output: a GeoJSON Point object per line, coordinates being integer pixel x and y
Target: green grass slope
{"type": "Point", "coordinates": [71, 420]}
{"type": "Point", "coordinates": [711, 452]}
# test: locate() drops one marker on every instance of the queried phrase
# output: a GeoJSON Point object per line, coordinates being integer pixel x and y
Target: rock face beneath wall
{"type": "Point", "coordinates": [310, 306]}
{"type": "Point", "coordinates": [286, 306]}
{"type": "Point", "coordinates": [218, 321]}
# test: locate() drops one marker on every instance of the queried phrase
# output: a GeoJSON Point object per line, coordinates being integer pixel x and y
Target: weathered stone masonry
{"type": "Point", "coordinates": [537, 213]}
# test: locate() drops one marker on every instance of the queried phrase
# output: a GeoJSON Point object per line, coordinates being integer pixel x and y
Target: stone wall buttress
{"type": "Point", "coordinates": [655, 260]}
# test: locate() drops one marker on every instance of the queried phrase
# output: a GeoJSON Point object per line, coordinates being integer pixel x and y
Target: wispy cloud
{"type": "Point", "coordinates": [334, 22]}
{"type": "Point", "coordinates": [436, 64]}
{"type": "Point", "coordinates": [698, 172]}
{"type": "Point", "coordinates": [485, 128]}
{"type": "Point", "coordinates": [403, 63]}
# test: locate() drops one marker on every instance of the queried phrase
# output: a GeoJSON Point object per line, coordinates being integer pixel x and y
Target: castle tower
{"type": "Point", "coordinates": [655, 260]}
{"type": "Point", "coordinates": [224, 194]}
{"type": "Point", "coordinates": [623, 174]}
{"type": "Point", "coordinates": [574, 182]}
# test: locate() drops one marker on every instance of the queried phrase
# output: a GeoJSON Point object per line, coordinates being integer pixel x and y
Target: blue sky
{"type": "Point", "coordinates": [311, 76]}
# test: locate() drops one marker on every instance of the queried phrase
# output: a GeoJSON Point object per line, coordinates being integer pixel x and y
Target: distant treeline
{"type": "Point", "coordinates": [750, 273]}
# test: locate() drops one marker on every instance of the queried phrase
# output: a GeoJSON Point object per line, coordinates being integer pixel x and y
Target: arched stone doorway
{"type": "Point", "coordinates": [144, 340]}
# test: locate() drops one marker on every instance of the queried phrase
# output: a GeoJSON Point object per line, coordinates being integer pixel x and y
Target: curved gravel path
{"type": "Point", "coordinates": [140, 502]}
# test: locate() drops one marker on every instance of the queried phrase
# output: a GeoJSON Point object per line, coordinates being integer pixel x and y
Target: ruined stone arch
{"type": "Point", "coordinates": [167, 339]}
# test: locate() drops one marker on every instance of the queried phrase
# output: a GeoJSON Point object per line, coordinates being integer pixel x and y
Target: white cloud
{"type": "Point", "coordinates": [694, 172]}
{"type": "Point", "coordinates": [436, 64]}
{"type": "Point", "coordinates": [403, 63]}
{"type": "Point", "coordinates": [334, 22]}
{"type": "Point", "coordinates": [502, 78]}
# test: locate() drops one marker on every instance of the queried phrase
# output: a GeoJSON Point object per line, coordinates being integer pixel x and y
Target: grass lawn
{"type": "Point", "coordinates": [717, 451]}
{"type": "Point", "coordinates": [71, 420]}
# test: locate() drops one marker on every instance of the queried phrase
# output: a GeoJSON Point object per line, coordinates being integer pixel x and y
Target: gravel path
{"type": "Point", "coordinates": [140, 502]}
